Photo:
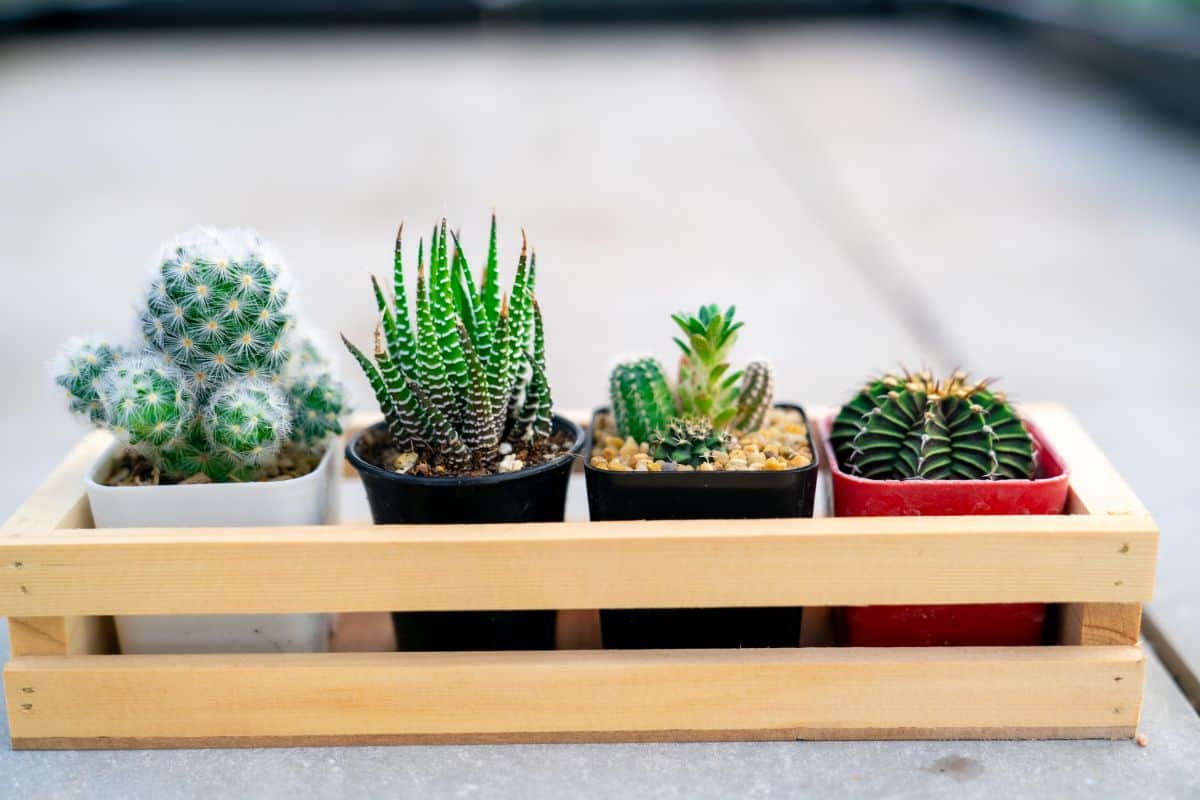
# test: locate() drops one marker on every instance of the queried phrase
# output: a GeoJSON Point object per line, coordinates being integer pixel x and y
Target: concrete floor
{"type": "Point", "coordinates": [865, 194]}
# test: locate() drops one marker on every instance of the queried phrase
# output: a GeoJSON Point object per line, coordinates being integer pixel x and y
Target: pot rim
{"type": "Point", "coordinates": [229, 487]}
{"type": "Point", "coordinates": [815, 464]}
{"type": "Point", "coordinates": [365, 467]}
{"type": "Point", "coordinates": [1044, 447]}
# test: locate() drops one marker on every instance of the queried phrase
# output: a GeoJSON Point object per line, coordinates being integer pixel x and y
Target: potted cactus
{"type": "Point", "coordinates": [468, 435]}
{"type": "Point", "coordinates": [713, 446]}
{"type": "Point", "coordinates": [911, 444]}
{"type": "Point", "coordinates": [223, 414]}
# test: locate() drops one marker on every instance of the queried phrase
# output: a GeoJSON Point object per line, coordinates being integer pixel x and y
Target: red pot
{"type": "Point", "coordinates": [956, 625]}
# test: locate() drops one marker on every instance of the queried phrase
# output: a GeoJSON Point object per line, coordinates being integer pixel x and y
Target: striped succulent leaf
{"type": "Point", "coordinates": [489, 287]}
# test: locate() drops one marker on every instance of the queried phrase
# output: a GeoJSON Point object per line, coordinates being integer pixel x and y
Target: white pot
{"type": "Point", "coordinates": [308, 500]}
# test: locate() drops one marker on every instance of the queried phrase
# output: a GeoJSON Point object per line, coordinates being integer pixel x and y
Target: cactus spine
{"type": "Point", "coordinates": [469, 372]}
{"type": "Point", "coordinates": [910, 426]}
{"type": "Point", "coordinates": [223, 379]}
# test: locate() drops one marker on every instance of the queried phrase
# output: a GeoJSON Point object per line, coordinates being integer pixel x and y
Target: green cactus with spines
{"type": "Point", "coordinates": [79, 370]}
{"type": "Point", "coordinates": [641, 398]}
{"type": "Point", "coordinates": [706, 387]}
{"type": "Point", "coordinates": [755, 396]}
{"type": "Point", "coordinates": [248, 420]}
{"type": "Point", "coordinates": [217, 321]}
{"type": "Point", "coordinates": [317, 404]}
{"type": "Point", "coordinates": [460, 395]}
{"type": "Point", "coordinates": [688, 440]}
{"type": "Point", "coordinates": [147, 401]}
{"type": "Point", "coordinates": [909, 426]}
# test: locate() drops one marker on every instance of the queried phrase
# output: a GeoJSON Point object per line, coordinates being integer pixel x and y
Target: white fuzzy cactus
{"type": "Point", "coordinates": [222, 377]}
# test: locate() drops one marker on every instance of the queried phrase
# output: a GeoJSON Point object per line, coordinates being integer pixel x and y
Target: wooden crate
{"type": "Point", "coordinates": [61, 580]}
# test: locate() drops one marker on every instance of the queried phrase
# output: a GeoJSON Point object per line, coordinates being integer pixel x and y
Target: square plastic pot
{"type": "Point", "coordinates": [537, 494]}
{"type": "Point", "coordinates": [1010, 624]}
{"type": "Point", "coordinates": [307, 500]}
{"type": "Point", "coordinates": [701, 495]}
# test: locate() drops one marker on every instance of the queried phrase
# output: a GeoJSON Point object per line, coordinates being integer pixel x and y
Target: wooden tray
{"type": "Point", "coordinates": [61, 580]}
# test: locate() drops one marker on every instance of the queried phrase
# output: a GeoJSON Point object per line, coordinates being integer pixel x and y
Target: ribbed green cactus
{"type": "Point", "coordinates": [466, 371]}
{"type": "Point", "coordinates": [912, 426]}
{"type": "Point", "coordinates": [755, 396]}
{"type": "Point", "coordinates": [222, 378]}
{"type": "Point", "coordinates": [644, 405]}
{"type": "Point", "coordinates": [688, 440]}
{"type": "Point", "coordinates": [642, 402]}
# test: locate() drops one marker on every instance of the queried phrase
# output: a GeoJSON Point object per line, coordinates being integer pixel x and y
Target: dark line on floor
{"type": "Point", "coordinates": [1177, 667]}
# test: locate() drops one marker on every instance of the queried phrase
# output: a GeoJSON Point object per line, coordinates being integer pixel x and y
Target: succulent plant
{"type": "Point", "coordinates": [706, 387]}
{"type": "Point", "coordinates": [755, 396]}
{"type": "Point", "coordinates": [688, 440]}
{"type": "Point", "coordinates": [80, 371]}
{"type": "Point", "coordinates": [466, 370]}
{"type": "Point", "coordinates": [221, 379]}
{"type": "Point", "coordinates": [646, 408]}
{"type": "Point", "coordinates": [907, 426]}
{"type": "Point", "coordinates": [642, 402]}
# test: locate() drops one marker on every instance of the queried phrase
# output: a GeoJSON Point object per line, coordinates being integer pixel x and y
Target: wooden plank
{"type": "Point", "coordinates": [1096, 486]}
{"type": "Point", "coordinates": [823, 693]}
{"type": "Point", "coordinates": [827, 561]}
{"type": "Point", "coordinates": [48, 636]}
{"type": "Point", "coordinates": [60, 503]}
{"type": "Point", "coordinates": [1100, 623]}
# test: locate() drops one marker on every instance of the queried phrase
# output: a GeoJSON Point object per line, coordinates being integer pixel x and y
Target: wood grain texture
{"type": "Point", "coordinates": [59, 503]}
{"type": "Point", "coordinates": [1100, 623]}
{"type": "Point", "coordinates": [785, 693]}
{"type": "Point", "coordinates": [361, 567]}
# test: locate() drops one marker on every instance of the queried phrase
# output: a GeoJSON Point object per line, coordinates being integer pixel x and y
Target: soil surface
{"type": "Point", "coordinates": [376, 447]}
{"type": "Point", "coordinates": [131, 468]}
{"type": "Point", "coordinates": [782, 443]}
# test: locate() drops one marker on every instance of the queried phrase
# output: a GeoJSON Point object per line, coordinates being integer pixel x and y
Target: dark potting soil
{"type": "Point", "coordinates": [131, 468]}
{"type": "Point", "coordinates": [376, 447]}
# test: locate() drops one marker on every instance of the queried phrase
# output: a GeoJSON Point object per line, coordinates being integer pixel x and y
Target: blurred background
{"type": "Point", "coordinates": [1013, 187]}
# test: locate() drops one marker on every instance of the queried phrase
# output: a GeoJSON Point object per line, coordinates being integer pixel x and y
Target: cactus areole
{"type": "Point", "coordinates": [221, 379]}
{"type": "Point", "coordinates": [912, 426]}
{"type": "Point", "coordinates": [461, 379]}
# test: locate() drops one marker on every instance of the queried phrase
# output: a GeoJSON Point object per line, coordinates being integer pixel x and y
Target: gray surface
{"type": "Point", "coordinates": [1166, 768]}
{"type": "Point", "coordinates": [864, 194]}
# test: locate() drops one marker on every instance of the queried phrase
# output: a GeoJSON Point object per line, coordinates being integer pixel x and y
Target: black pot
{"type": "Point", "coordinates": [538, 494]}
{"type": "Point", "coordinates": [702, 495]}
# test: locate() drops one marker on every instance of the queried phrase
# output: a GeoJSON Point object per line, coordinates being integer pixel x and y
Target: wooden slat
{"type": "Point", "coordinates": [581, 565]}
{"type": "Point", "coordinates": [1093, 624]}
{"type": "Point", "coordinates": [60, 503]}
{"type": "Point", "coordinates": [1096, 486]}
{"type": "Point", "coordinates": [820, 693]}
